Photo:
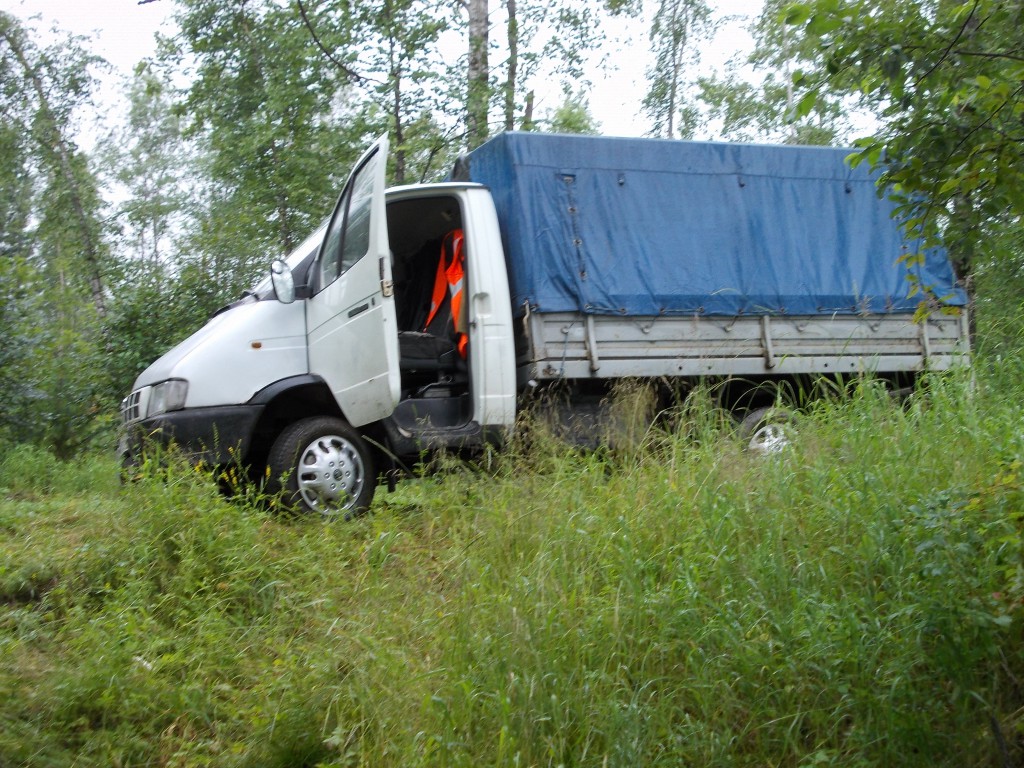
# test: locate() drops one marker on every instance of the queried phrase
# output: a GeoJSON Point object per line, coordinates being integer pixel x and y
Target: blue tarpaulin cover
{"type": "Point", "coordinates": [655, 227]}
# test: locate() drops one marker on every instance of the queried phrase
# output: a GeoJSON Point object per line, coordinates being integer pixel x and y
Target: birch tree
{"type": "Point", "coordinates": [677, 27]}
{"type": "Point", "coordinates": [263, 103]}
{"type": "Point", "coordinates": [54, 258]}
{"type": "Point", "coordinates": [763, 104]}
{"type": "Point", "coordinates": [478, 86]}
{"type": "Point", "coordinates": [43, 90]}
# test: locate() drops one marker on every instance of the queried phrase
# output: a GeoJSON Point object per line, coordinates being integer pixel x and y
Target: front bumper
{"type": "Point", "coordinates": [215, 436]}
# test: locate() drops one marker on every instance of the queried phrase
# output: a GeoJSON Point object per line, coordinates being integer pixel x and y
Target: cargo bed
{"type": "Point", "coordinates": [565, 345]}
{"type": "Point", "coordinates": [647, 258]}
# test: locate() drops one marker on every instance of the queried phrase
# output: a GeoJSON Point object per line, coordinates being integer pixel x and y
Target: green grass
{"type": "Point", "coordinates": [855, 601]}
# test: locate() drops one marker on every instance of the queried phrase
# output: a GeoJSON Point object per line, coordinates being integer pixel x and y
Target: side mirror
{"type": "Point", "coordinates": [283, 282]}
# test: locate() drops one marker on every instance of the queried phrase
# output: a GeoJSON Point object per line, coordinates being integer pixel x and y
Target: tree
{"type": "Point", "coordinates": [149, 160]}
{"type": "Point", "coordinates": [677, 25]}
{"type": "Point", "coordinates": [478, 87]}
{"type": "Point", "coordinates": [573, 116]}
{"type": "Point", "coordinates": [512, 69]}
{"type": "Point", "coordinates": [264, 104]}
{"type": "Point", "coordinates": [50, 86]}
{"type": "Point", "coordinates": [401, 65]}
{"type": "Point", "coordinates": [947, 81]}
{"type": "Point", "coordinates": [15, 192]}
{"type": "Point", "coordinates": [54, 261]}
{"type": "Point", "coordinates": [765, 109]}
{"type": "Point", "coordinates": [153, 168]}
{"type": "Point", "coordinates": [549, 39]}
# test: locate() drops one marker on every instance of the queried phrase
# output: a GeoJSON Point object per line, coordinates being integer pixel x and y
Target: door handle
{"type": "Point", "coordinates": [358, 310]}
{"type": "Point", "coordinates": [387, 287]}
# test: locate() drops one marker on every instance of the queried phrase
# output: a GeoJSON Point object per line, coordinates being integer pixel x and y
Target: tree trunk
{"type": "Point", "coordinates": [513, 65]}
{"type": "Point", "coordinates": [478, 85]}
{"type": "Point", "coordinates": [395, 70]}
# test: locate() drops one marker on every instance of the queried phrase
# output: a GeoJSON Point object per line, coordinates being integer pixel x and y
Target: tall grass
{"type": "Point", "coordinates": [854, 600]}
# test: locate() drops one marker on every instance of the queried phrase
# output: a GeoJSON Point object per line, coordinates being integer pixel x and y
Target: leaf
{"type": "Point", "coordinates": [796, 14]}
{"type": "Point", "coordinates": [806, 104]}
{"type": "Point", "coordinates": [822, 24]}
{"type": "Point", "coordinates": [922, 312]}
{"type": "Point", "coordinates": [949, 185]}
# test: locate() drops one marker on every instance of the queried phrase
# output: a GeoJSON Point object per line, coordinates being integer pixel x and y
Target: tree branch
{"type": "Point", "coordinates": [312, 32]}
{"type": "Point", "coordinates": [988, 55]}
{"type": "Point", "coordinates": [954, 41]}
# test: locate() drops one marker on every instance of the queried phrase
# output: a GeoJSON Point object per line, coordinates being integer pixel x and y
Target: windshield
{"type": "Point", "coordinates": [298, 261]}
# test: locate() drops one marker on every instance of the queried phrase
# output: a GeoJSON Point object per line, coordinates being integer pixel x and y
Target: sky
{"type": "Point", "coordinates": [124, 29]}
{"type": "Point", "coordinates": [123, 34]}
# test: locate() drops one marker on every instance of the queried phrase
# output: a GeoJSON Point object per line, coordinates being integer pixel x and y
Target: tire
{"type": "Point", "coordinates": [767, 430]}
{"type": "Point", "coordinates": [326, 466]}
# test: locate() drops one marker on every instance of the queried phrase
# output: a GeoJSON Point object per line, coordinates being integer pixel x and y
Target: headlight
{"type": "Point", "coordinates": [168, 396]}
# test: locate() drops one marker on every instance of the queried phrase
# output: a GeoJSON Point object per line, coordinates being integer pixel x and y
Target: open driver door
{"type": "Point", "coordinates": [351, 321]}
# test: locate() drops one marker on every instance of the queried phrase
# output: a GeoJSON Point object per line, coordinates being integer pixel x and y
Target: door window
{"type": "Point", "coordinates": [348, 238]}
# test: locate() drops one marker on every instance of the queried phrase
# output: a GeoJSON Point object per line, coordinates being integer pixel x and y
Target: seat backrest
{"type": "Point", "coordinates": [447, 313]}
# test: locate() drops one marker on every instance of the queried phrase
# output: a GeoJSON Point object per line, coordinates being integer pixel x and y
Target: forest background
{"type": "Point", "coordinates": [115, 247]}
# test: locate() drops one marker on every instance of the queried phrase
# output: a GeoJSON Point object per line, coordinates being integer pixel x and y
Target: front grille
{"type": "Point", "coordinates": [130, 407]}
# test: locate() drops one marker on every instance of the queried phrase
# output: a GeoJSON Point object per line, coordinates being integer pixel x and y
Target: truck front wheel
{"type": "Point", "coordinates": [322, 465]}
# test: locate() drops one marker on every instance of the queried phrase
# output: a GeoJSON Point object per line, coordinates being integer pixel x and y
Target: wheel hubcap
{"type": "Point", "coordinates": [770, 438]}
{"type": "Point", "coordinates": [330, 474]}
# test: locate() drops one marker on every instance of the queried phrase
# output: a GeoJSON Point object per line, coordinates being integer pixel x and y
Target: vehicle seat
{"type": "Point", "coordinates": [441, 345]}
{"type": "Point", "coordinates": [421, 351]}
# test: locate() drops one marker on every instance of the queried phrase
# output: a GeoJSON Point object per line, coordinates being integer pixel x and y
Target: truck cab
{"type": "Point", "coordinates": [355, 357]}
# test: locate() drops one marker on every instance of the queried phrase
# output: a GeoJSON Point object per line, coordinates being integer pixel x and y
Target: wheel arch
{"type": "Point", "coordinates": [285, 402]}
{"type": "Point", "coordinates": [290, 400]}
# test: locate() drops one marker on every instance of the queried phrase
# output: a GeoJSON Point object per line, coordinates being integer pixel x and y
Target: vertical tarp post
{"type": "Point", "coordinates": [595, 362]}
{"type": "Point", "coordinates": [964, 342]}
{"type": "Point", "coordinates": [766, 338]}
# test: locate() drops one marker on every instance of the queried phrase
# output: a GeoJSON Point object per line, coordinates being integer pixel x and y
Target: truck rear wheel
{"type": "Point", "coordinates": [322, 465]}
{"type": "Point", "coordinates": [767, 430]}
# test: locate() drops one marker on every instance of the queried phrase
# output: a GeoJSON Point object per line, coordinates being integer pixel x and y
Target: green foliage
{"type": "Point", "coordinates": [763, 105]}
{"type": "Point", "coordinates": [152, 309]}
{"type": "Point", "coordinates": [44, 90]}
{"type": "Point", "coordinates": [54, 263]}
{"type": "Point", "coordinates": [54, 380]}
{"type": "Point", "coordinates": [549, 41]}
{"type": "Point", "coordinates": [945, 79]}
{"type": "Point", "coordinates": [149, 159]}
{"type": "Point", "coordinates": [573, 116]}
{"type": "Point", "coordinates": [15, 192]}
{"type": "Point", "coordinates": [262, 100]}
{"type": "Point", "coordinates": [855, 600]}
{"type": "Point", "coordinates": [402, 69]}
{"type": "Point", "coordinates": [749, 112]}
{"type": "Point", "coordinates": [676, 31]}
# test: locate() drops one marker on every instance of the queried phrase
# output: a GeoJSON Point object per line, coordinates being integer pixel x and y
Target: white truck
{"type": "Point", "coordinates": [418, 318]}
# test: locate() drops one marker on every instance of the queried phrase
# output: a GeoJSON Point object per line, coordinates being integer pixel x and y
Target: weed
{"type": "Point", "coordinates": [856, 600]}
